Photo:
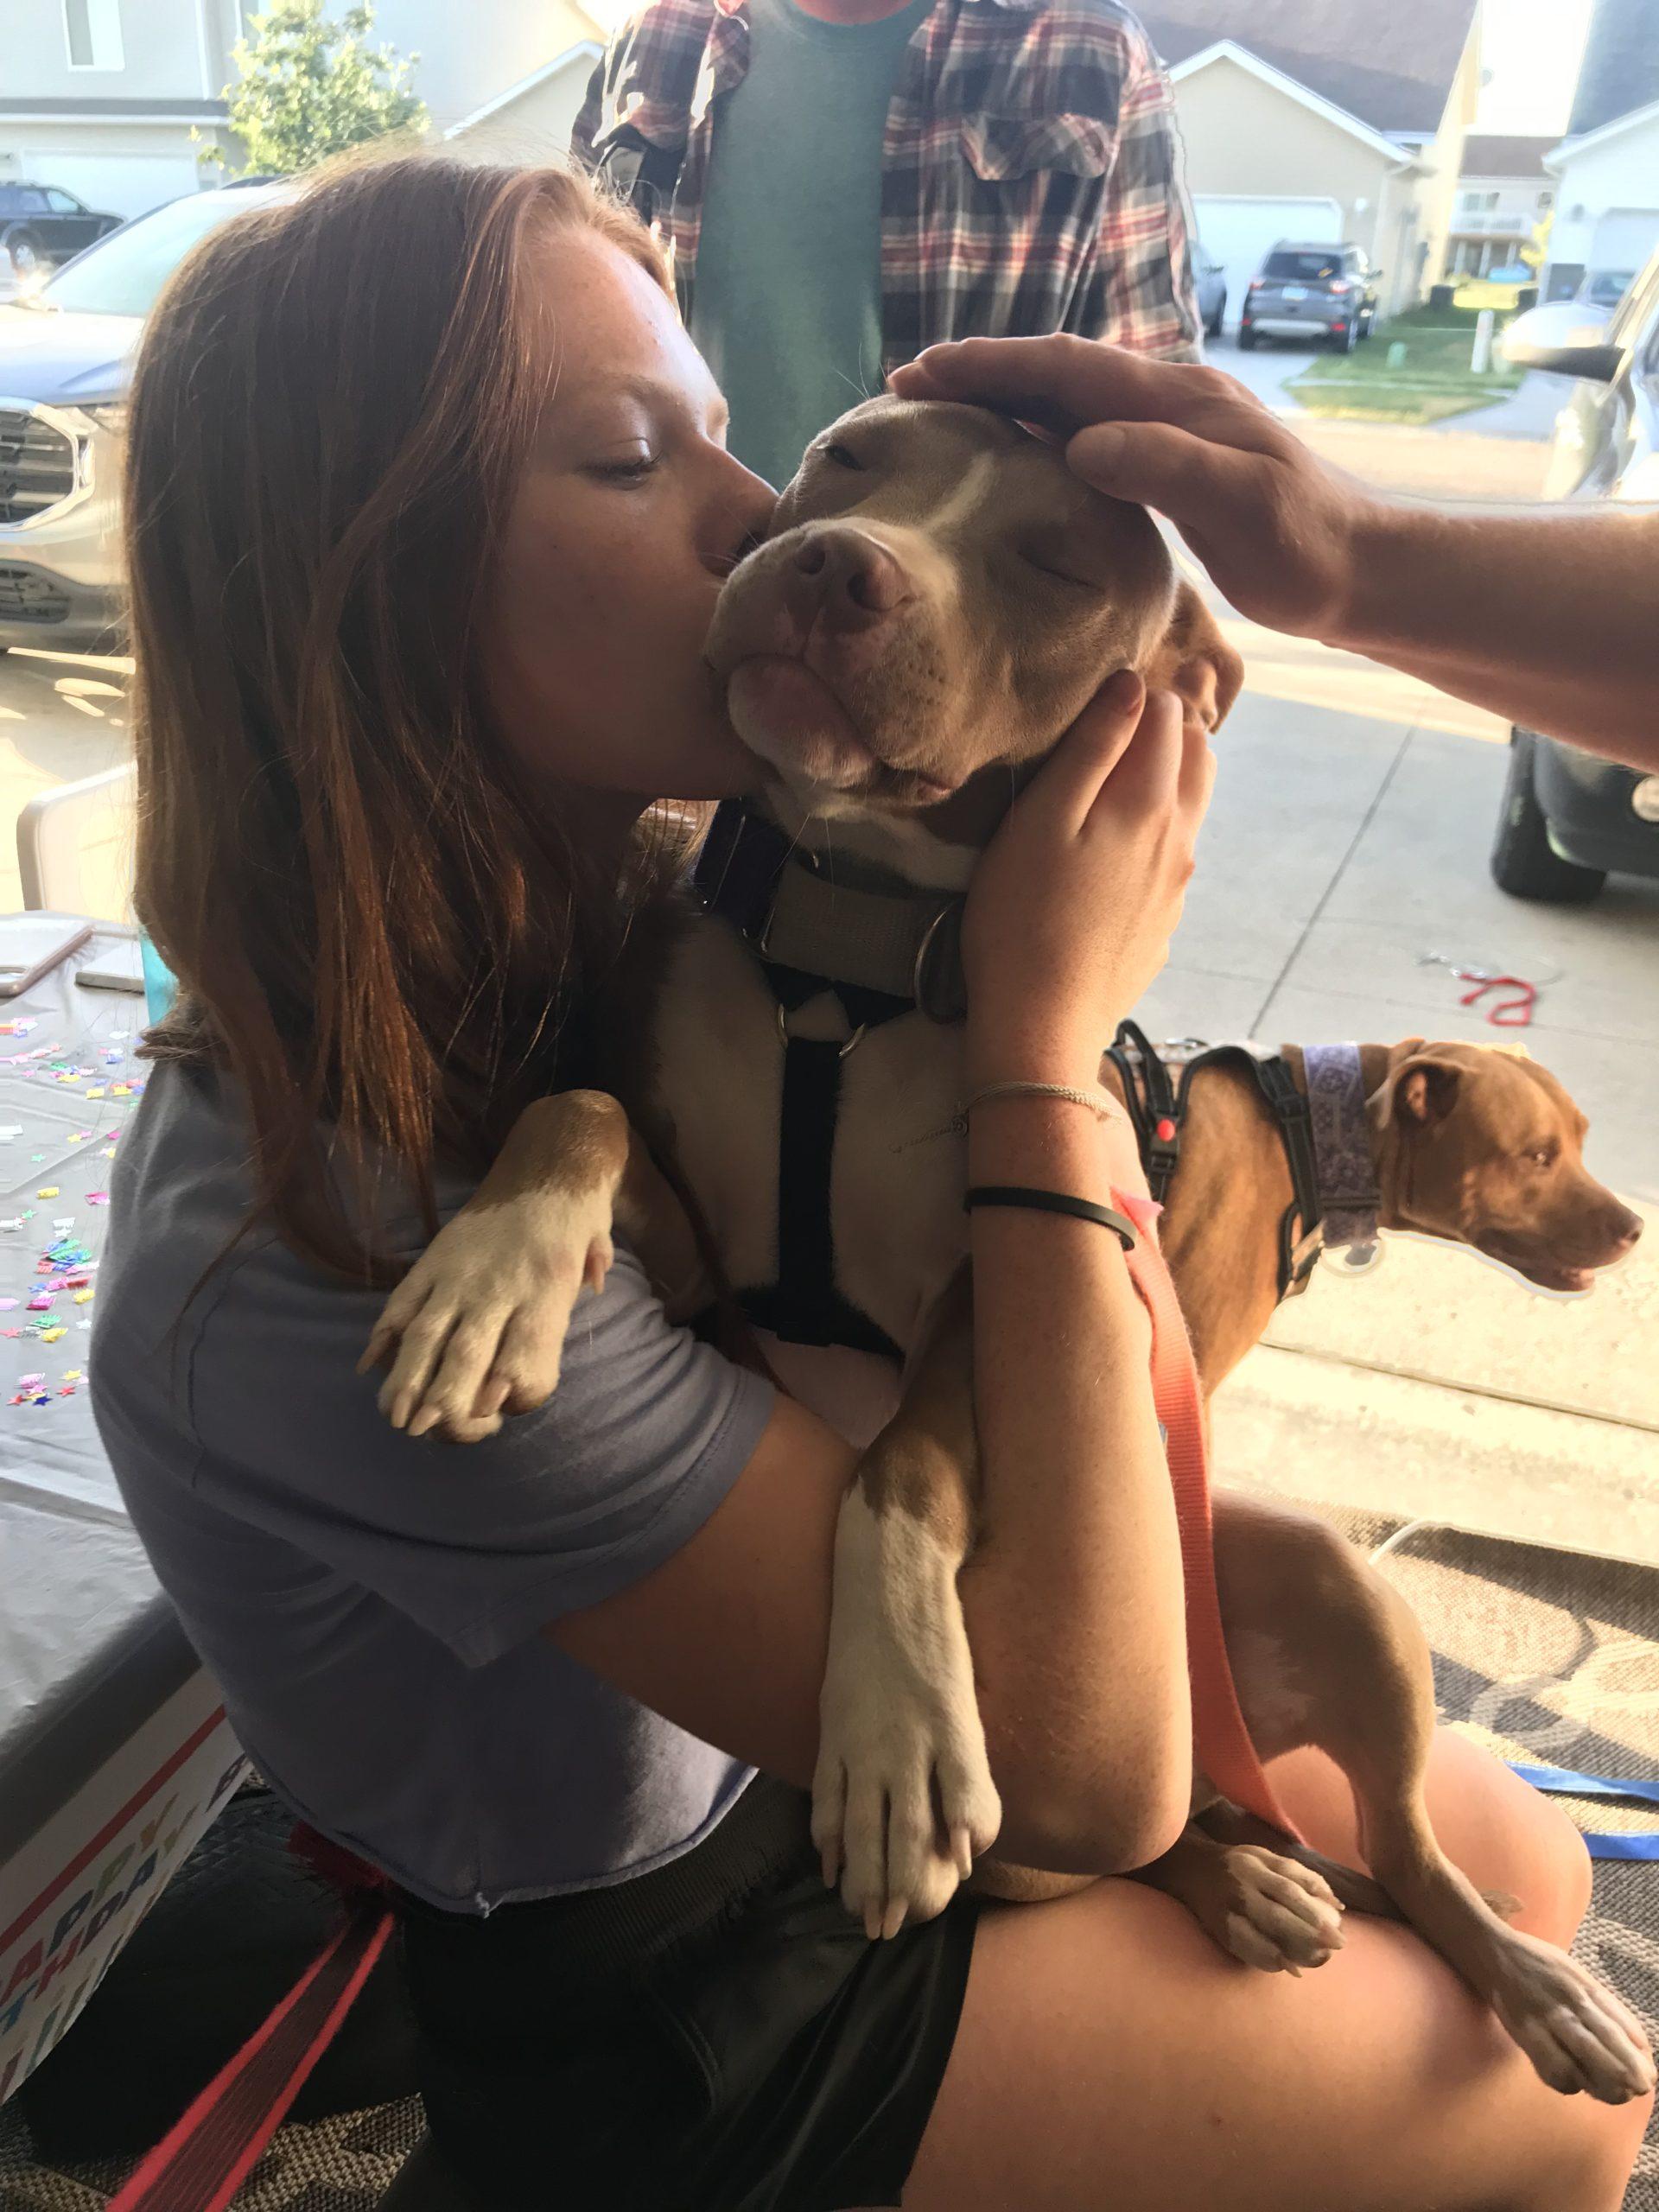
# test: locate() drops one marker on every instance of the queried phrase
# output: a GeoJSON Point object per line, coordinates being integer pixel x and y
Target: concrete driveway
{"type": "Point", "coordinates": [1265, 369]}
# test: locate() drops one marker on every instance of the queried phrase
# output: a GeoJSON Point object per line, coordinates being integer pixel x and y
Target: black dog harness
{"type": "Point", "coordinates": [881, 948]}
{"type": "Point", "coordinates": [1159, 1108]}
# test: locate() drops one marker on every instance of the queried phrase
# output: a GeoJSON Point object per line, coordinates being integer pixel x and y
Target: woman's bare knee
{"type": "Point", "coordinates": [1109, 2051]}
{"type": "Point", "coordinates": [1502, 1833]}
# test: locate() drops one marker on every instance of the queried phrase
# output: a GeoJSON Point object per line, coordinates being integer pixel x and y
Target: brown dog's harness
{"type": "Point", "coordinates": [1325, 1206]}
{"type": "Point", "coordinates": [893, 951]}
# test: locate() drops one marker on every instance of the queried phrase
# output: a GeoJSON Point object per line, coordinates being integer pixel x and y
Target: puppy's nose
{"type": "Point", "coordinates": [1627, 1228]}
{"type": "Point", "coordinates": [857, 581]}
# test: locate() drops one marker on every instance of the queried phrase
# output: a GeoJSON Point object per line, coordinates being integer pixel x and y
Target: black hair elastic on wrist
{"type": "Point", "coordinates": [1016, 1194]}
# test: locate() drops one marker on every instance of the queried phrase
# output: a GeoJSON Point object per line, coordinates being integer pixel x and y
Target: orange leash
{"type": "Point", "coordinates": [1224, 1750]}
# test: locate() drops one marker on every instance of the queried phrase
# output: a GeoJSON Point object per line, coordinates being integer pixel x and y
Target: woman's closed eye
{"type": "Point", "coordinates": [631, 467]}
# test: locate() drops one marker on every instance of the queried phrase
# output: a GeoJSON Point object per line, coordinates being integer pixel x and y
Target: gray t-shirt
{"type": "Point", "coordinates": [369, 1603]}
{"type": "Point", "coordinates": [788, 305]}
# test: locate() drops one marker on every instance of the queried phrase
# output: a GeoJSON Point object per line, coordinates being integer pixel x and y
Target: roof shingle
{"type": "Point", "coordinates": [1484, 155]}
{"type": "Point", "coordinates": [1411, 48]}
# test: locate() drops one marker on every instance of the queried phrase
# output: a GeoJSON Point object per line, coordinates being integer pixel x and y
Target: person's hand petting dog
{"type": "Point", "coordinates": [1543, 615]}
{"type": "Point", "coordinates": [1271, 523]}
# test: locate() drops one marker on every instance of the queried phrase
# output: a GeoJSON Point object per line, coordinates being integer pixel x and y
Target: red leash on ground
{"type": "Point", "coordinates": [204, 2158]}
{"type": "Point", "coordinates": [1225, 1749]}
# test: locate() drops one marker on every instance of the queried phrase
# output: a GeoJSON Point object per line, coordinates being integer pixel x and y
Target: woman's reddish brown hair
{"type": "Point", "coordinates": [376, 934]}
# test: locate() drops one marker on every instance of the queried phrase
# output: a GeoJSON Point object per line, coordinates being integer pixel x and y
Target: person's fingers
{"type": "Point", "coordinates": [1155, 465]}
{"type": "Point", "coordinates": [1196, 777]}
{"type": "Point", "coordinates": [1144, 779]}
{"type": "Point", "coordinates": [1070, 779]}
{"type": "Point", "coordinates": [1060, 380]}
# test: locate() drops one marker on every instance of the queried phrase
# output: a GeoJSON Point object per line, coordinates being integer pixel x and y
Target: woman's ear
{"type": "Point", "coordinates": [1195, 661]}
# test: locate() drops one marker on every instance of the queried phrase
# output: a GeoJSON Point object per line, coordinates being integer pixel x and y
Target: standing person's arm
{"type": "Point", "coordinates": [1545, 617]}
{"type": "Point", "coordinates": [589, 115]}
{"type": "Point", "coordinates": [1141, 293]}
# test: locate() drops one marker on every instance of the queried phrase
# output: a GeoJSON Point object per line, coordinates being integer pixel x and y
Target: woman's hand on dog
{"type": "Point", "coordinates": [1073, 905]}
{"type": "Point", "coordinates": [1275, 527]}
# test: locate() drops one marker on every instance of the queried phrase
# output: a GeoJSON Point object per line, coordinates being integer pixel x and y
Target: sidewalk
{"type": "Point", "coordinates": [1353, 813]}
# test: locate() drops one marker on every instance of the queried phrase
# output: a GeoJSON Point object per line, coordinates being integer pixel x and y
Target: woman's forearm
{"type": "Point", "coordinates": [1073, 1596]}
{"type": "Point", "coordinates": [1549, 618]}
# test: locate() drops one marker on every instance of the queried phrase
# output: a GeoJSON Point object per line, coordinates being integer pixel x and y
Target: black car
{"type": "Point", "coordinates": [1570, 819]}
{"type": "Point", "coordinates": [39, 224]}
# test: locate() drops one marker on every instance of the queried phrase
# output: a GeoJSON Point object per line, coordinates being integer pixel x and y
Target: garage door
{"type": "Point", "coordinates": [1624, 238]}
{"type": "Point", "coordinates": [1238, 232]}
{"type": "Point", "coordinates": [117, 184]}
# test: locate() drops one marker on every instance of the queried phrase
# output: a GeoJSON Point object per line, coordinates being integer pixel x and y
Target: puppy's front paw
{"type": "Point", "coordinates": [1576, 2032]}
{"type": "Point", "coordinates": [1276, 1913]}
{"type": "Point", "coordinates": [477, 1326]}
{"type": "Point", "coordinates": [903, 1800]}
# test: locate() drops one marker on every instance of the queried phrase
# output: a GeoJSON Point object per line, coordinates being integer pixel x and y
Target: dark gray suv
{"type": "Point", "coordinates": [1310, 292]}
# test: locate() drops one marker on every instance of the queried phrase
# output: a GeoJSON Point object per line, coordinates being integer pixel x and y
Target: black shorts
{"type": "Point", "coordinates": [719, 2036]}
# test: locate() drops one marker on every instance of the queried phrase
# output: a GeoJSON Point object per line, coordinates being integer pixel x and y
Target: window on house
{"type": "Point", "coordinates": [92, 30]}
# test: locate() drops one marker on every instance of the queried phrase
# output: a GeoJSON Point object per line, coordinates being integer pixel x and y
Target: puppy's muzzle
{"type": "Point", "coordinates": [846, 581]}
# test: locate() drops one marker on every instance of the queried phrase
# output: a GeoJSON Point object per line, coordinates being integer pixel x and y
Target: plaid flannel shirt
{"type": "Point", "coordinates": [1032, 169]}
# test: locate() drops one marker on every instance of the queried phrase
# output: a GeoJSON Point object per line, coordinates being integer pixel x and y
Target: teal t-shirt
{"type": "Point", "coordinates": [787, 304]}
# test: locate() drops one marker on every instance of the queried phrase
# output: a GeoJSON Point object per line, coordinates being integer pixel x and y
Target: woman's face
{"type": "Point", "coordinates": [629, 515]}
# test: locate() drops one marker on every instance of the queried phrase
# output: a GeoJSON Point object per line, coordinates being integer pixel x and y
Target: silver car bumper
{"type": "Point", "coordinates": [1295, 326]}
{"type": "Point", "coordinates": [60, 526]}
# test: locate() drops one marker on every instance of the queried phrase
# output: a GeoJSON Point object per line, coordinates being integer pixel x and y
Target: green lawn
{"type": "Point", "coordinates": [1428, 378]}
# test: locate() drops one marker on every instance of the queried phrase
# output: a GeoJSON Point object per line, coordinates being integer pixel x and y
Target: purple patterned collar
{"type": "Point", "coordinates": [1349, 1197]}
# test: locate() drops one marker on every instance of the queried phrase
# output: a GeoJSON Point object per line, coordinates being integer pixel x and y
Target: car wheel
{"type": "Point", "coordinates": [24, 248]}
{"type": "Point", "coordinates": [1247, 341]}
{"type": "Point", "coordinates": [1524, 863]}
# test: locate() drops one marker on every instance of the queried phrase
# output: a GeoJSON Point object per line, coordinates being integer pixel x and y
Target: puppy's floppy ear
{"type": "Point", "coordinates": [1194, 660]}
{"type": "Point", "coordinates": [1420, 1091]}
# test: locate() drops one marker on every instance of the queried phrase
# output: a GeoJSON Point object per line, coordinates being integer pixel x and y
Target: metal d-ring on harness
{"type": "Point", "coordinates": [1159, 1108]}
{"type": "Point", "coordinates": [881, 948]}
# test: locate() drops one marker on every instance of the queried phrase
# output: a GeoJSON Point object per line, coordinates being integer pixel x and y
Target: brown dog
{"type": "Point", "coordinates": [1476, 1144]}
{"type": "Point", "coordinates": [938, 600]}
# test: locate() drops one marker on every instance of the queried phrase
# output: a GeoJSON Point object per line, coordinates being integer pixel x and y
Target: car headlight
{"type": "Point", "coordinates": [108, 415]}
{"type": "Point", "coordinates": [1644, 799]}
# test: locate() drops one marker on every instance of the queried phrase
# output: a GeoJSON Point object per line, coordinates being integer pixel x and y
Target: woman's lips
{"type": "Point", "coordinates": [787, 715]}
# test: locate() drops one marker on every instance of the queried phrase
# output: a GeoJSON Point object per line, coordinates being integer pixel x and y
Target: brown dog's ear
{"type": "Point", "coordinates": [1194, 660]}
{"type": "Point", "coordinates": [1421, 1090]}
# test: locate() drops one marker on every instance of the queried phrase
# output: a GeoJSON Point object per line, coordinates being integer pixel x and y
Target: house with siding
{"type": "Point", "coordinates": [1323, 120]}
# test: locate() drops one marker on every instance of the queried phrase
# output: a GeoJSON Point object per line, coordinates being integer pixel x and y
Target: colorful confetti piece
{"type": "Point", "coordinates": [47, 1191]}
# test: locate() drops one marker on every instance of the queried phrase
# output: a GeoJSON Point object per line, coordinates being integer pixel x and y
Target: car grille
{"type": "Point", "coordinates": [37, 466]}
{"type": "Point", "coordinates": [26, 597]}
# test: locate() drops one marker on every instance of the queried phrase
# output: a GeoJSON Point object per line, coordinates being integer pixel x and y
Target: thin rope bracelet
{"type": "Point", "coordinates": [1100, 1103]}
{"type": "Point", "coordinates": [1017, 1195]}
